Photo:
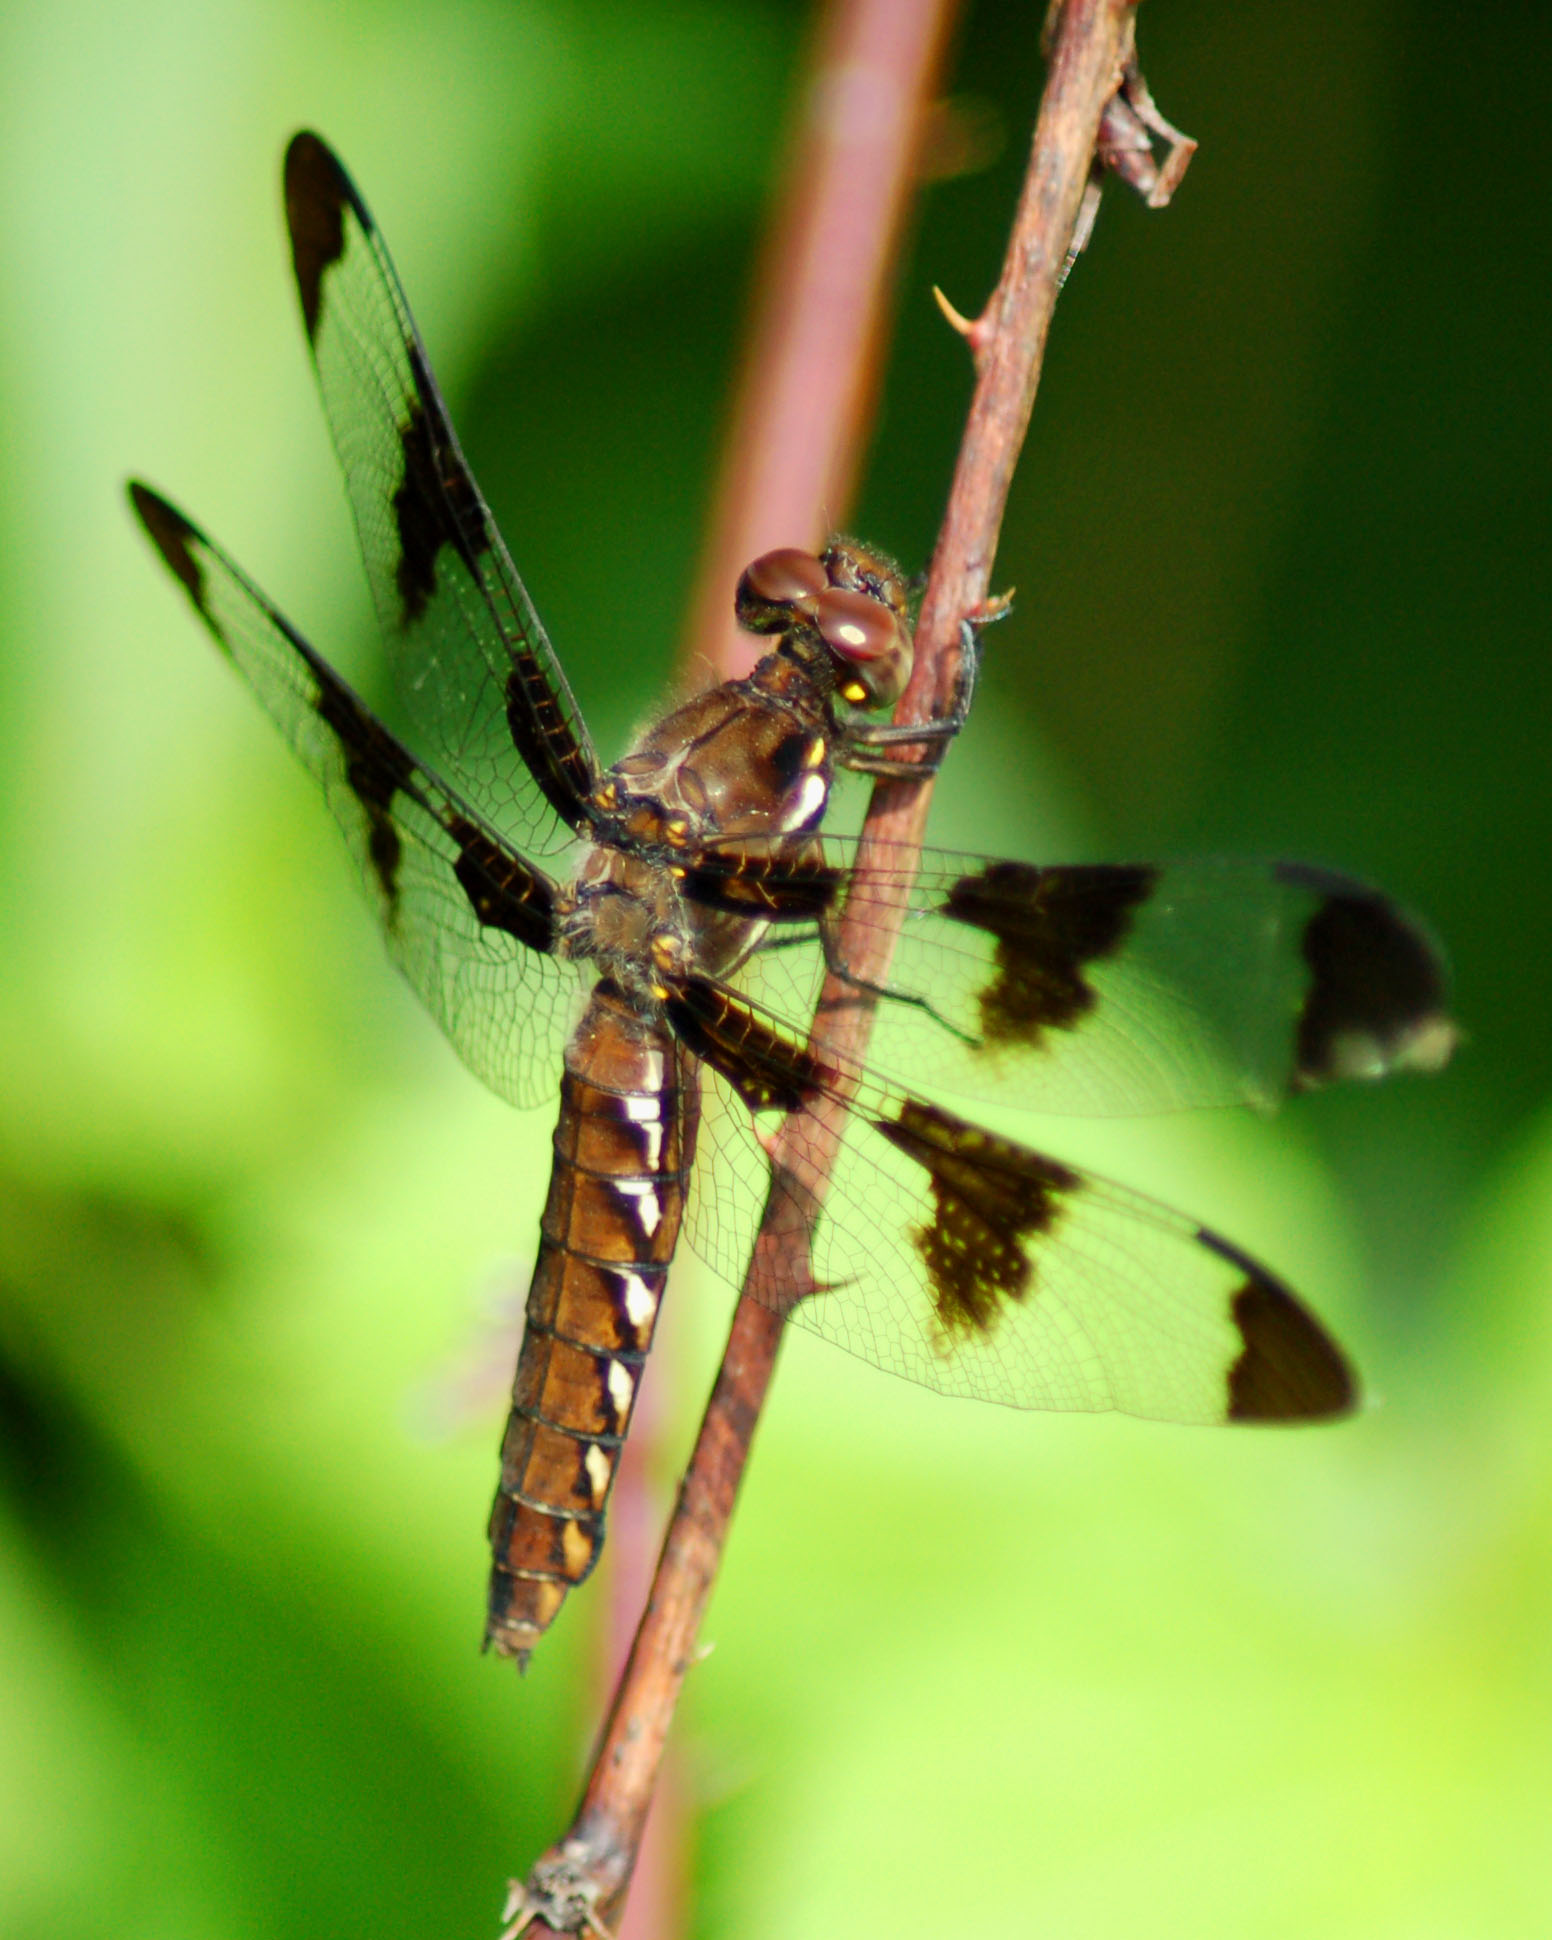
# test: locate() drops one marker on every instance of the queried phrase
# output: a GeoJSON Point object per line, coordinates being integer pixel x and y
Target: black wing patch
{"type": "Point", "coordinates": [470, 654]}
{"type": "Point", "coordinates": [990, 1200]}
{"type": "Point", "coordinates": [1377, 989]}
{"type": "Point", "coordinates": [472, 924]}
{"type": "Point", "coordinates": [761, 882]}
{"type": "Point", "coordinates": [437, 506]}
{"type": "Point", "coordinates": [318, 192]}
{"type": "Point", "coordinates": [1289, 1368]}
{"type": "Point", "coordinates": [1051, 927]}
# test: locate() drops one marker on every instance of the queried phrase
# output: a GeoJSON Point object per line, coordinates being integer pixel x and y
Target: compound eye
{"type": "Point", "coordinates": [854, 626]}
{"type": "Point", "coordinates": [783, 577]}
{"type": "Point", "coordinates": [869, 639]}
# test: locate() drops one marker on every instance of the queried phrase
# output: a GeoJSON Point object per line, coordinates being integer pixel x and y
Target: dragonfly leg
{"type": "Point", "coordinates": [826, 933]}
{"type": "Point", "coordinates": [866, 746]}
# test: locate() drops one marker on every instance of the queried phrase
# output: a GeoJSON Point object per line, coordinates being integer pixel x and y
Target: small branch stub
{"type": "Point", "coordinates": [1128, 128]}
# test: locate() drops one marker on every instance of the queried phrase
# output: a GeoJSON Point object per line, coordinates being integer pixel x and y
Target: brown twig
{"type": "Point", "coordinates": [580, 1883]}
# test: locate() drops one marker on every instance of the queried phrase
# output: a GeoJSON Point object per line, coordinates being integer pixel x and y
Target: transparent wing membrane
{"type": "Point", "coordinates": [467, 921]}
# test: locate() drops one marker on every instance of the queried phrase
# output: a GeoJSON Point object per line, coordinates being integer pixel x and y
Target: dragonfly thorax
{"type": "Point", "coordinates": [625, 914]}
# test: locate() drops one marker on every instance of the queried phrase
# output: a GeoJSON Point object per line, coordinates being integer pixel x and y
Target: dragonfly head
{"type": "Point", "coordinates": [847, 600]}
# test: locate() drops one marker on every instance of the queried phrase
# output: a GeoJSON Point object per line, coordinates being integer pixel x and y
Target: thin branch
{"type": "Point", "coordinates": [581, 1882]}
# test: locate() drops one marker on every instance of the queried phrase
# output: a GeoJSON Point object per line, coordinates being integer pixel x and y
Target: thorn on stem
{"type": "Point", "coordinates": [974, 330]}
{"type": "Point", "coordinates": [996, 606]}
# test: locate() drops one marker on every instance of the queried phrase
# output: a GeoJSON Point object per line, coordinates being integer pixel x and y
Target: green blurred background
{"type": "Point", "coordinates": [1280, 540]}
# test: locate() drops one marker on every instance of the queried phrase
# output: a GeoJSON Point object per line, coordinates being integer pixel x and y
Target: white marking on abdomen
{"type": "Point", "coordinates": [647, 1112]}
{"type": "Point", "coordinates": [649, 1208]}
{"type": "Point", "coordinates": [598, 1467]}
{"type": "Point", "coordinates": [621, 1384]}
{"type": "Point", "coordinates": [640, 1300]}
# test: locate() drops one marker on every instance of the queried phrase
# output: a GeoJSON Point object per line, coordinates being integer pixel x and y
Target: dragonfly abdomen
{"type": "Point", "coordinates": [622, 1156]}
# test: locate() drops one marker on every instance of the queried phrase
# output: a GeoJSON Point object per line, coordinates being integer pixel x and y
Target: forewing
{"type": "Point", "coordinates": [980, 1267]}
{"type": "Point", "coordinates": [1104, 989]}
{"type": "Point", "coordinates": [469, 652]}
{"type": "Point", "coordinates": [469, 922]}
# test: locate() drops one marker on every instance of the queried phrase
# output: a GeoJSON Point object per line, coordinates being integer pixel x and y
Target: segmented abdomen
{"type": "Point", "coordinates": [622, 1154]}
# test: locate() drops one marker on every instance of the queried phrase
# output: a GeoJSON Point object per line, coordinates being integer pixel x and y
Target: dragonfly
{"type": "Point", "coordinates": [651, 937]}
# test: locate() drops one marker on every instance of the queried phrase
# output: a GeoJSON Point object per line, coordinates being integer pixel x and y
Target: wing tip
{"type": "Point", "coordinates": [1378, 998]}
{"type": "Point", "coordinates": [1289, 1368]}
{"type": "Point", "coordinates": [318, 190]}
{"type": "Point", "coordinates": [174, 537]}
